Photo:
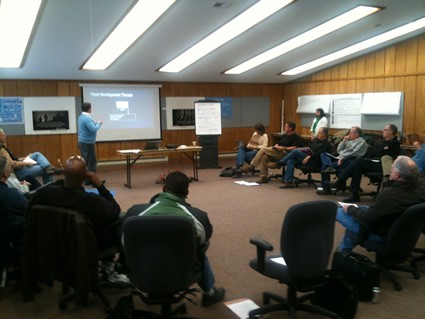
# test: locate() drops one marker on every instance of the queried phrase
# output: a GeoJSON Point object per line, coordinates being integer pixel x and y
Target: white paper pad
{"type": "Point", "coordinates": [279, 260]}
{"type": "Point", "coordinates": [29, 160]}
{"type": "Point", "coordinates": [342, 204]}
{"type": "Point", "coordinates": [241, 307]}
{"type": "Point", "coordinates": [247, 183]}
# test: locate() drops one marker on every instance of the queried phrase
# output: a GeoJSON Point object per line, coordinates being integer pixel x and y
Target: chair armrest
{"type": "Point", "coordinates": [262, 247]}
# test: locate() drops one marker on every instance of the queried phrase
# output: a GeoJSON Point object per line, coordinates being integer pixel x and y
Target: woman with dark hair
{"type": "Point", "coordinates": [319, 120]}
{"type": "Point", "coordinates": [247, 152]}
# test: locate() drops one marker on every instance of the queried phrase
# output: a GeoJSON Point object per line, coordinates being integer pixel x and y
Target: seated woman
{"type": "Point", "coordinates": [246, 153]}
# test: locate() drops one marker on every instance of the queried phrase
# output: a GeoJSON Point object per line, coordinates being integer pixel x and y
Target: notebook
{"type": "Point", "coordinates": [152, 145]}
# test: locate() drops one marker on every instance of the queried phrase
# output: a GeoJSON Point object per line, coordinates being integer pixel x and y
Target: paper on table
{"type": "Point", "coordinates": [29, 160]}
{"type": "Point", "coordinates": [247, 183]}
{"type": "Point", "coordinates": [133, 151]}
{"type": "Point", "coordinates": [279, 260]}
{"type": "Point", "coordinates": [241, 307]}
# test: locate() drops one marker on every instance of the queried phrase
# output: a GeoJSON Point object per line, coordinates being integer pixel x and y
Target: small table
{"type": "Point", "coordinates": [132, 155]}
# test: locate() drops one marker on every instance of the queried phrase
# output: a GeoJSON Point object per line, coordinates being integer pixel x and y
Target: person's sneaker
{"type": "Point", "coordinates": [118, 280]}
{"type": "Point", "coordinates": [324, 191]}
{"type": "Point", "coordinates": [329, 170]}
{"type": "Point", "coordinates": [50, 170]}
{"type": "Point", "coordinates": [263, 180]}
{"type": "Point", "coordinates": [288, 185]}
{"type": "Point", "coordinates": [274, 165]}
{"type": "Point", "coordinates": [216, 296]}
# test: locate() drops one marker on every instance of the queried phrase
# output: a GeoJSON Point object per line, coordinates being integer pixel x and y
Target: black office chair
{"type": "Point", "coordinates": [419, 258]}
{"type": "Point", "coordinates": [308, 170]}
{"type": "Point", "coordinates": [306, 243]}
{"type": "Point", "coordinates": [401, 241]}
{"type": "Point", "coordinates": [162, 258]}
{"type": "Point", "coordinates": [11, 248]}
{"type": "Point", "coordinates": [60, 245]}
{"type": "Point", "coordinates": [375, 179]}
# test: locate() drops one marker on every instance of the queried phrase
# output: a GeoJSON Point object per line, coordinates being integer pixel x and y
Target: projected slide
{"type": "Point", "coordinates": [128, 112]}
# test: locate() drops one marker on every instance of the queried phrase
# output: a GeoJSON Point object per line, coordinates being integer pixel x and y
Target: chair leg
{"type": "Point", "coordinates": [417, 259]}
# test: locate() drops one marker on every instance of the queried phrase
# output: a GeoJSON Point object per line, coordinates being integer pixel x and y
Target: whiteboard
{"type": "Point", "coordinates": [207, 118]}
{"type": "Point", "coordinates": [310, 103]}
{"type": "Point", "coordinates": [345, 110]}
{"type": "Point", "coordinates": [386, 103]}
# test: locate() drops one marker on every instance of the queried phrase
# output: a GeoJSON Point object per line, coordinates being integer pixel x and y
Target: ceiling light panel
{"type": "Point", "coordinates": [253, 15]}
{"type": "Point", "coordinates": [19, 16]}
{"type": "Point", "coordinates": [309, 36]}
{"type": "Point", "coordinates": [135, 23]}
{"type": "Point", "coordinates": [381, 38]}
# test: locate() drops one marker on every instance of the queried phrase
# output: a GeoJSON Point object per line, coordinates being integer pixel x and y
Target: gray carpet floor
{"type": "Point", "coordinates": [237, 214]}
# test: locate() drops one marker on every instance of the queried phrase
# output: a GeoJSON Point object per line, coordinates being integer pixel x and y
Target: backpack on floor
{"type": "Point", "coordinates": [363, 273]}
{"type": "Point", "coordinates": [228, 172]}
{"type": "Point", "coordinates": [338, 296]}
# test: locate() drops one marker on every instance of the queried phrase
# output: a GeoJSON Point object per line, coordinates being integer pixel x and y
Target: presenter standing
{"type": "Point", "coordinates": [87, 130]}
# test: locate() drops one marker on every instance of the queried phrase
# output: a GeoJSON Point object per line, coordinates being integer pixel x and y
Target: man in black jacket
{"type": "Point", "coordinates": [389, 145]}
{"type": "Point", "coordinates": [406, 189]}
{"type": "Point", "coordinates": [304, 156]}
{"type": "Point", "coordinates": [101, 209]}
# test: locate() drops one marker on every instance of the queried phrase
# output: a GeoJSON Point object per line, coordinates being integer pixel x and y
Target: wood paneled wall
{"type": "Point", "coordinates": [400, 67]}
{"type": "Point", "coordinates": [397, 68]}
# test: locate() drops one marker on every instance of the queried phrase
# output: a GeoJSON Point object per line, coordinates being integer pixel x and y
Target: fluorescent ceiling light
{"type": "Point", "coordinates": [392, 34]}
{"type": "Point", "coordinates": [135, 23]}
{"type": "Point", "coordinates": [19, 16]}
{"type": "Point", "coordinates": [309, 36]}
{"type": "Point", "coordinates": [255, 14]}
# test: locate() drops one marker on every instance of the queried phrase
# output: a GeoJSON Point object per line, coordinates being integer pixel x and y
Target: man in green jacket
{"type": "Point", "coordinates": [172, 202]}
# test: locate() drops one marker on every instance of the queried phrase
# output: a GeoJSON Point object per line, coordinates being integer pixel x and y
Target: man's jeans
{"type": "Point", "coordinates": [348, 242]}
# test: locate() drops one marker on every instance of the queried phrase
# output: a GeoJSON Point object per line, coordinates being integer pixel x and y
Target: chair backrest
{"type": "Point", "coordinates": [405, 231]}
{"type": "Point", "coordinates": [161, 253]}
{"type": "Point", "coordinates": [307, 238]}
{"type": "Point", "coordinates": [60, 245]}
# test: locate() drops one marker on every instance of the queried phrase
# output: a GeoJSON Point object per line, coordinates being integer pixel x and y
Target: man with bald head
{"type": "Point", "coordinates": [101, 209]}
{"type": "Point", "coordinates": [406, 189]}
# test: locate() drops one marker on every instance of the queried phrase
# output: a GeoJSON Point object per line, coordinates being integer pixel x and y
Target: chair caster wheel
{"type": "Point", "coordinates": [416, 275]}
{"type": "Point", "coordinates": [397, 287]}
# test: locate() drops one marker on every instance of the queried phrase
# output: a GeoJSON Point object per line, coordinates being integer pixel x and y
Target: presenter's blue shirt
{"type": "Point", "coordinates": [87, 128]}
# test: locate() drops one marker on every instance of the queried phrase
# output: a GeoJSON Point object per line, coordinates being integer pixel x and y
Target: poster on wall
{"type": "Point", "coordinates": [50, 115]}
{"type": "Point", "coordinates": [180, 112]}
{"type": "Point", "coordinates": [11, 110]}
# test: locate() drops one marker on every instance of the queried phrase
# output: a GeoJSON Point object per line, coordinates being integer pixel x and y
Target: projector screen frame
{"type": "Point", "coordinates": [123, 104]}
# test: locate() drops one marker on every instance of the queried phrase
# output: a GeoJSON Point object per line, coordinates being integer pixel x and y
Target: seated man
{"type": "Point", "coordinates": [36, 164]}
{"type": "Point", "coordinates": [172, 200]}
{"type": "Point", "coordinates": [406, 189]}
{"type": "Point", "coordinates": [287, 143]}
{"type": "Point", "coordinates": [101, 209]}
{"type": "Point", "coordinates": [351, 147]}
{"type": "Point", "coordinates": [246, 153]}
{"type": "Point", "coordinates": [389, 146]}
{"type": "Point", "coordinates": [304, 156]}
{"type": "Point", "coordinates": [419, 156]}
{"type": "Point", "coordinates": [13, 206]}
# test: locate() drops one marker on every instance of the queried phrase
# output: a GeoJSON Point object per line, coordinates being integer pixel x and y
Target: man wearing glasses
{"type": "Point", "coordinates": [388, 146]}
